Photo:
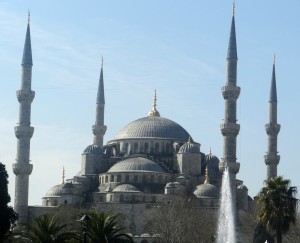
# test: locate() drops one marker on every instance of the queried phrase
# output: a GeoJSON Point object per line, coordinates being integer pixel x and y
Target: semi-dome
{"type": "Point", "coordinates": [206, 191]}
{"type": "Point", "coordinates": [126, 188]}
{"type": "Point", "coordinates": [61, 189]}
{"type": "Point", "coordinates": [92, 149]}
{"type": "Point", "coordinates": [189, 147]}
{"type": "Point", "coordinates": [153, 127]}
{"type": "Point", "coordinates": [137, 164]}
{"type": "Point", "coordinates": [242, 187]}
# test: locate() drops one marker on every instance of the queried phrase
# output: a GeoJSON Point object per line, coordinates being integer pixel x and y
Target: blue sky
{"type": "Point", "coordinates": [176, 47]}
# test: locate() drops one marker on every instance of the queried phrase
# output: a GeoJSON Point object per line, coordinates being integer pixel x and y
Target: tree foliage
{"type": "Point", "coordinates": [47, 229]}
{"type": "Point", "coordinates": [7, 215]}
{"type": "Point", "coordinates": [104, 228]}
{"type": "Point", "coordinates": [278, 207]}
{"type": "Point", "coordinates": [183, 221]}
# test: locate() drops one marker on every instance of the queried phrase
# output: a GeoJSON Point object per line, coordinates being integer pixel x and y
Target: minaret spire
{"type": "Point", "coordinates": [272, 129]}
{"type": "Point", "coordinates": [153, 111]}
{"type": "Point", "coordinates": [99, 128]}
{"type": "Point", "coordinates": [22, 168]}
{"type": "Point", "coordinates": [230, 128]}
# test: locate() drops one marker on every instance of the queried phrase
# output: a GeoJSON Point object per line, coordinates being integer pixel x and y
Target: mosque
{"type": "Point", "coordinates": [151, 161]}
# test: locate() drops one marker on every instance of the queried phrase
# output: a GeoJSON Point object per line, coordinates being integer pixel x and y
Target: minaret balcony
{"type": "Point", "coordinates": [24, 131]}
{"type": "Point", "coordinates": [233, 167]}
{"type": "Point", "coordinates": [272, 159]}
{"type": "Point", "coordinates": [22, 168]}
{"type": "Point", "coordinates": [25, 95]}
{"type": "Point", "coordinates": [228, 129]}
{"type": "Point", "coordinates": [272, 128]}
{"type": "Point", "coordinates": [99, 129]}
{"type": "Point", "coordinates": [231, 92]}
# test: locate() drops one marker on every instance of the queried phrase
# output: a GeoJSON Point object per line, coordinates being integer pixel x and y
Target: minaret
{"type": "Point", "coordinates": [99, 128]}
{"type": "Point", "coordinates": [230, 128]}
{"type": "Point", "coordinates": [272, 129]}
{"type": "Point", "coordinates": [22, 168]}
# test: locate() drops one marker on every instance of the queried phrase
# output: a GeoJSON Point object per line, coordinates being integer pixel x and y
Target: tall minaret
{"type": "Point", "coordinates": [22, 168]}
{"type": "Point", "coordinates": [230, 128]}
{"type": "Point", "coordinates": [272, 129]}
{"type": "Point", "coordinates": [99, 128]}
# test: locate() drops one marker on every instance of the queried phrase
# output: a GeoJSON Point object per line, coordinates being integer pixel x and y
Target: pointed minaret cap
{"type": "Point", "coordinates": [27, 54]}
{"type": "Point", "coordinates": [273, 91]}
{"type": "Point", "coordinates": [207, 180]}
{"type": "Point", "coordinates": [63, 176]}
{"type": "Point", "coordinates": [100, 94]}
{"type": "Point", "coordinates": [232, 50]}
{"type": "Point", "coordinates": [153, 111]}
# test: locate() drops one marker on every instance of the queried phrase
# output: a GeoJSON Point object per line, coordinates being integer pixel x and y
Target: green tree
{"type": "Point", "coordinates": [278, 206]}
{"type": "Point", "coordinates": [47, 229]}
{"type": "Point", "coordinates": [104, 228]}
{"type": "Point", "coordinates": [7, 215]}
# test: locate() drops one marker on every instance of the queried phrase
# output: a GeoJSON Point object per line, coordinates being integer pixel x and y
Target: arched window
{"type": "Point", "coordinates": [126, 148]}
{"type": "Point", "coordinates": [136, 147]}
{"type": "Point", "coordinates": [144, 241]}
{"type": "Point", "coordinates": [151, 178]}
{"type": "Point", "coordinates": [153, 199]}
{"type": "Point", "coordinates": [66, 201]}
{"type": "Point", "coordinates": [146, 147]}
{"type": "Point", "coordinates": [133, 198]}
{"type": "Point", "coordinates": [160, 179]}
{"type": "Point", "coordinates": [144, 178]}
{"type": "Point", "coordinates": [119, 178]}
{"type": "Point", "coordinates": [111, 198]}
{"type": "Point", "coordinates": [127, 178]}
{"type": "Point", "coordinates": [135, 179]}
{"type": "Point", "coordinates": [167, 148]}
{"type": "Point", "coordinates": [106, 179]}
{"type": "Point", "coordinates": [121, 198]}
{"type": "Point", "coordinates": [112, 178]}
{"type": "Point", "coordinates": [156, 147]}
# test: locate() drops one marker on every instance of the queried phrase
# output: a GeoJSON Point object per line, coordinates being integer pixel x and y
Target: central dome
{"type": "Point", "coordinates": [153, 127]}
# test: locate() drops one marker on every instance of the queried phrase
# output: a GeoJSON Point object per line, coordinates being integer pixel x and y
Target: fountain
{"type": "Point", "coordinates": [226, 221]}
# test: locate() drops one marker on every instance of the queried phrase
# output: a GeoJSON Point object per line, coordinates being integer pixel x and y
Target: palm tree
{"type": "Point", "coordinates": [278, 206]}
{"type": "Point", "coordinates": [47, 229]}
{"type": "Point", "coordinates": [104, 228]}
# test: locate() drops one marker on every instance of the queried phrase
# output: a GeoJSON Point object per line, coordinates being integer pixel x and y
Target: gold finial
{"type": "Point", "coordinates": [233, 8]}
{"type": "Point", "coordinates": [206, 176]}
{"type": "Point", "coordinates": [28, 16]}
{"type": "Point", "coordinates": [274, 59]}
{"type": "Point", "coordinates": [210, 151]}
{"type": "Point", "coordinates": [153, 111]}
{"type": "Point", "coordinates": [63, 176]}
{"type": "Point", "coordinates": [190, 139]}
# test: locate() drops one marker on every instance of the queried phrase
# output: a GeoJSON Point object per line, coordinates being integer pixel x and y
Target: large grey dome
{"type": "Point", "coordinates": [137, 164]}
{"type": "Point", "coordinates": [126, 188]}
{"type": "Point", "coordinates": [153, 127]}
{"type": "Point", "coordinates": [61, 189]}
{"type": "Point", "coordinates": [206, 191]}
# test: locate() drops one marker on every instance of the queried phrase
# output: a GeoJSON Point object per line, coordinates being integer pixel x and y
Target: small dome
{"type": "Point", "coordinates": [242, 187]}
{"type": "Point", "coordinates": [93, 149]}
{"type": "Point", "coordinates": [189, 147]}
{"type": "Point", "coordinates": [212, 159]}
{"type": "Point", "coordinates": [61, 189]}
{"type": "Point", "coordinates": [206, 191]}
{"type": "Point", "coordinates": [169, 185]}
{"type": "Point", "coordinates": [126, 188]}
{"type": "Point", "coordinates": [137, 164]}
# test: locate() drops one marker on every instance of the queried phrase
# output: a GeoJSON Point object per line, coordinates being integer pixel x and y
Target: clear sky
{"type": "Point", "coordinates": [176, 47]}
